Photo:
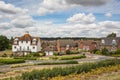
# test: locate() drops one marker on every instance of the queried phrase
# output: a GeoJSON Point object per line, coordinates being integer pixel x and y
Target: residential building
{"type": "Point", "coordinates": [111, 43]}
{"type": "Point", "coordinates": [26, 44]}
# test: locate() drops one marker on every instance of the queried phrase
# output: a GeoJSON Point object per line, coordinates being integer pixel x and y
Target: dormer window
{"type": "Point", "coordinates": [103, 41]}
{"type": "Point", "coordinates": [113, 41]}
{"type": "Point", "coordinates": [16, 39]}
{"type": "Point", "coordinates": [15, 42]}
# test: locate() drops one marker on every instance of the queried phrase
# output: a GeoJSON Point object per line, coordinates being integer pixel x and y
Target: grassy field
{"type": "Point", "coordinates": [8, 52]}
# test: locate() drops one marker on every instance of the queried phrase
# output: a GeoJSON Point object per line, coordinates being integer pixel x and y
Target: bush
{"type": "Point", "coordinates": [105, 51]}
{"type": "Point", "coordinates": [117, 51]}
{"type": "Point", "coordinates": [71, 57]}
{"type": "Point", "coordinates": [49, 73]}
{"type": "Point", "coordinates": [11, 61]}
{"type": "Point", "coordinates": [55, 53]}
{"type": "Point", "coordinates": [57, 63]}
{"type": "Point", "coordinates": [68, 51]}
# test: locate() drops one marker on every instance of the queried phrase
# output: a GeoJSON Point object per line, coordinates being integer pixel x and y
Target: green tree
{"type": "Point", "coordinates": [105, 51]}
{"type": "Point", "coordinates": [4, 43]}
{"type": "Point", "coordinates": [112, 35]}
{"type": "Point", "coordinates": [68, 51]}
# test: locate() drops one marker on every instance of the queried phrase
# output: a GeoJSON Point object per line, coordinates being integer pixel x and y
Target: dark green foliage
{"type": "Point", "coordinates": [4, 43]}
{"type": "Point", "coordinates": [112, 35]}
{"type": "Point", "coordinates": [68, 51]}
{"type": "Point", "coordinates": [49, 73]}
{"type": "Point", "coordinates": [105, 51]}
{"type": "Point", "coordinates": [11, 61]}
{"type": "Point", "coordinates": [57, 63]}
{"type": "Point", "coordinates": [95, 50]}
{"type": "Point", "coordinates": [117, 51]}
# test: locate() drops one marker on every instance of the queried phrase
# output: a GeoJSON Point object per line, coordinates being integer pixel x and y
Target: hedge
{"type": "Point", "coordinates": [57, 63]}
{"type": "Point", "coordinates": [68, 57]}
{"type": "Point", "coordinates": [49, 73]}
{"type": "Point", "coordinates": [11, 61]}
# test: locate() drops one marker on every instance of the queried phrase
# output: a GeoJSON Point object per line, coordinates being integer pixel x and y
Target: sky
{"type": "Point", "coordinates": [60, 18]}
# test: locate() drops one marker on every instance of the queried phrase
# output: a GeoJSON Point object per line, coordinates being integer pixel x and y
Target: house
{"type": "Point", "coordinates": [48, 47]}
{"type": "Point", "coordinates": [63, 45]}
{"type": "Point", "coordinates": [111, 43]}
{"type": "Point", "coordinates": [88, 45]}
{"type": "Point", "coordinates": [26, 44]}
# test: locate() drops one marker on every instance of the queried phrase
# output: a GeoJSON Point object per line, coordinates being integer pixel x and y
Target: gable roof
{"type": "Point", "coordinates": [108, 41]}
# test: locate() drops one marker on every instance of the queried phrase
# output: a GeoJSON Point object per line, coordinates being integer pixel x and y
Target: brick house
{"type": "Point", "coordinates": [63, 45]}
{"type": "Point", "coordinates": [88, 45]}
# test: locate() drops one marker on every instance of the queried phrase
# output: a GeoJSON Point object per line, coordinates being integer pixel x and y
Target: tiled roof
{"type": "Point", "coordinates": [108, 41]}
{"type": "Point", "coordinates": [63, 43]}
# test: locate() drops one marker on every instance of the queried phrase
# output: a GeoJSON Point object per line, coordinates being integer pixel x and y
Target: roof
{"type": "Point", "coordinates": [88, 42]}
{"type": "Point", "coordinates": [50, 48]}
{"type": "Point", "coordinates": [108, 41]}
{"type": "Point", "coordinates": [27, 37]}
{"type": "Point", "coordinates": [71, 43]}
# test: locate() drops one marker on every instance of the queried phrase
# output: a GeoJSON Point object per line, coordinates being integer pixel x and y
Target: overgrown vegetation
{"type": "Point", "coordinates": [49, 73]}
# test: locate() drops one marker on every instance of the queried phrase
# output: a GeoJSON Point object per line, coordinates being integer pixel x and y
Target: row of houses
{"type": "Point", "coordinates": [27, 43]}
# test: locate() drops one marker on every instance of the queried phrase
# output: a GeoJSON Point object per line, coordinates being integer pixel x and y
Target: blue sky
{"type": "Point", "coordinates": [60, 18]}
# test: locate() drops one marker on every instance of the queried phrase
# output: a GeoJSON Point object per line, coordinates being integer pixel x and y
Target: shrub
{"type": "Point", "coordinates": [117, 51]}
{"type": "Point", "coordinates": [55, 53]}
{"type": "Point", "coordinates": [68, 51]}
{"type": "Point", "coordinates": [11, 61]}
{"type": "Point", "coordinates": [57, 63]}
{"type": "Point", "coordinates": [105, 51]}
{"type": "Point", "coordinates": [49, 73]}
{"type": "Point", "coordinates": [71, 57]}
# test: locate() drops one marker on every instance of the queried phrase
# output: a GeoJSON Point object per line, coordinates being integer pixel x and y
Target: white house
{"type": "Point", "coordinates": [26, 44]}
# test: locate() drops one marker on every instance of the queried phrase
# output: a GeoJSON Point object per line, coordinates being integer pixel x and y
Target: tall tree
{"type": "Point", "coordinates": [4, 43]}
{"type": "Point", "coordinates": [112, 35]}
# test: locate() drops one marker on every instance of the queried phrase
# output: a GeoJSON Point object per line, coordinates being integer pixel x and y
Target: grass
{"type": "Point", "coordinates": [8, 52]}
{"type": "Point", "coordinates": [103, 73]}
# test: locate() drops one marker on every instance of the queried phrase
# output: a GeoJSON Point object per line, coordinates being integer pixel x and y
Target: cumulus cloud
{"type": "Point", "coordinates": [82, 18]}
{"type": "Point", "coordinates": [108, 14]}
{"type": "Point", "coordinates": [10, 9]}
{"type": "Point", "coordinates": [48, 6]}
{"type": "Point", "coordinates": [14, 16]}
{"type": "Point", "coordinates": [87, 2]}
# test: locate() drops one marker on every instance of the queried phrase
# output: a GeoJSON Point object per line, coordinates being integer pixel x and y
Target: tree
{"type": "Point", "coordinates": [68, 51]}
{"type": "Point", "coordinates": [112, 35]}
{"type": "Point", "coordinates": [4, 43]}
{"type": "Point", "coordinates": [105, 51]}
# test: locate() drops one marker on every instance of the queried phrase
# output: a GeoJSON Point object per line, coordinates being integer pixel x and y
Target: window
{"type": "Point", "coordinates": [15, 47]}
{"type": "Point", "coordinates": [113, 41]}
{"type": "Point", "coordinates": [103, 41]}
{"type": "Point", "coordinates": [28, 48]}
{"type": "Point", "coordinates": [33, 47]}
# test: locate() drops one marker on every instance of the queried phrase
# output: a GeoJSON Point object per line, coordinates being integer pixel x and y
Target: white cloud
{"type": "Point", "coordinates": [48, 6]}
{"type": "Point", "coordinates": [108, 14]}
{"type": "Point", "coordinates": [15, 16]}
{"type": "Point", "coordinates": [82, 18]}
{"type": "Point", "coordinates": [10, 9]}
